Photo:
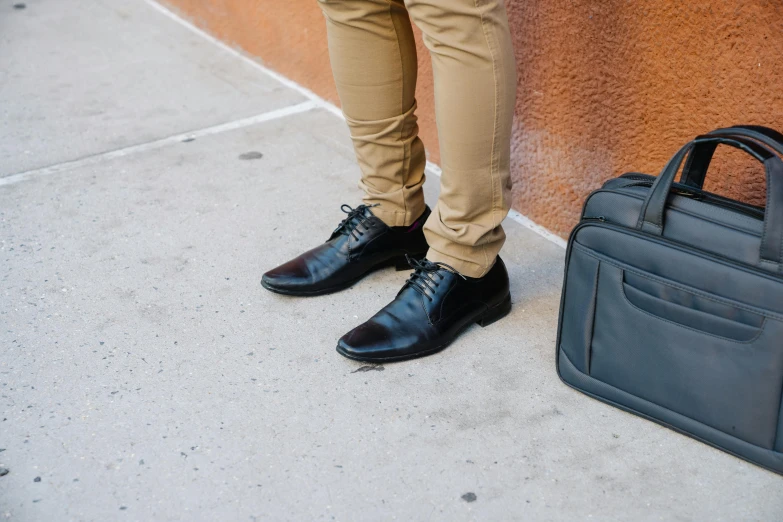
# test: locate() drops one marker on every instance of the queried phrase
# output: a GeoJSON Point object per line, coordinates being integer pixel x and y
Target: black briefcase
{"type": "Point", "coordinates": [672, 303]}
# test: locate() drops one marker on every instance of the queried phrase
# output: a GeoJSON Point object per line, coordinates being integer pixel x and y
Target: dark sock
{"type": "Point", "coordinates": [410, 228]}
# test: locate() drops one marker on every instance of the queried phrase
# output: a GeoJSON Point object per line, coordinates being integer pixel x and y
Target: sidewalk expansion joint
{"type": "Point", "coordinates": [156, 144]}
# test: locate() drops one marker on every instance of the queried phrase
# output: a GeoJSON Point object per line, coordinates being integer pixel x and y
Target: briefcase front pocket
{"type": "Point", "coordinates": [708, 316]}
{"type": "Point", "coordinates": [702, 356]}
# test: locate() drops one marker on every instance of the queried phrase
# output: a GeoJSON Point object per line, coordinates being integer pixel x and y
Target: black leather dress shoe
{"type": "Point", "coordinates": [359, 245]}
{"type": "Point", "coordinates": [434, 306]}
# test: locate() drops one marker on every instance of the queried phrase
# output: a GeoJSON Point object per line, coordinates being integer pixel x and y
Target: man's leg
{"type": "Point", "coordinates": [373, 57]}
{"type": "Point", "coordinates": [462, 281]}
{"type": "Point", "coordinates": [475, 87]}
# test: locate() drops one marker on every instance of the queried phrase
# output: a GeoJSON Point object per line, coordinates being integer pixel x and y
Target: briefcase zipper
{"type": "Point", "coordinates": [604, 223]}
{"type": "Point", "coordinates": [674, 190]}
{"type": "Point", "coordinates": [645, 180]}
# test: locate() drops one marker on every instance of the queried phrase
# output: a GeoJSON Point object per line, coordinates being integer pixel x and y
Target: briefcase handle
{"type": "Point", "coordinates": [699, 159]}
{"type": "Point", "coordinates": [651, 218]}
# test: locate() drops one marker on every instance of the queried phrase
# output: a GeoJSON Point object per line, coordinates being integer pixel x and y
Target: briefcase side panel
{"type": "Point", "coordinates": [779, 439]}
{"type": "Point", "coordinates": [579, 308]}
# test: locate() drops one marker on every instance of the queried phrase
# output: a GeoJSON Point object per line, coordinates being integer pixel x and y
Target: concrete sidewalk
{"type": "Point", "coordinates": [147, 178]}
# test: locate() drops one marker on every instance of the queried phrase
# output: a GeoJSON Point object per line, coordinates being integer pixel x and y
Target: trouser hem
{"type": "Point", "coordinates": [465, 267]}
{"type": "Point", "coordinates": [396, 218]}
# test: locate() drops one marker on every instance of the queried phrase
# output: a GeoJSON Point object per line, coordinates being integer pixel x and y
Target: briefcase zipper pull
{"type": "Point", "coordinates": [687, 194]}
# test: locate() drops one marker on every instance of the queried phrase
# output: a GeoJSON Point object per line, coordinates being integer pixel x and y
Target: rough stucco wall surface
{"type": "Point", "coordinates": [605, 86]}
{"type": "Point", "coordinates": [613, 86]}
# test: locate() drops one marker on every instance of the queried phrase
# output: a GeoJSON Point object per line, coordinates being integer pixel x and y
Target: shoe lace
{"type": "Point", "coordinates": [356, 216]}
{"type": "Point", "coordinates": [426, 275]}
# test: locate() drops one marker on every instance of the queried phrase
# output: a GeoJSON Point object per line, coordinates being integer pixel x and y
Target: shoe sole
{"type": "Point", "coordinates": [483, 319]}
{"type": "Point", "coordinates": [399, 263]}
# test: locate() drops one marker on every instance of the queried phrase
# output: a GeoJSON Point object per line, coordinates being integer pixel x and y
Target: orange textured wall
{"type": "Point", "coordinates": [605, 86]}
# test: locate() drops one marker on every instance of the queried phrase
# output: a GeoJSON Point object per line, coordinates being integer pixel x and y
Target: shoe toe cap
{"type": "Point", "coordinates": [373, 341]}
{"type": "Point", "coordinates": [291, 275]}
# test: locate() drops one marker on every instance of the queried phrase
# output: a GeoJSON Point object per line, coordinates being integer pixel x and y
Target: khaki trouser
{"type": "Point", "coordinates": [373, 57]}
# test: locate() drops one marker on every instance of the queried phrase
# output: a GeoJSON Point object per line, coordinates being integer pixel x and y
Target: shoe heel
{"type": "Point", "coordinates": [401, 263]}
{"type": "Point", "coordinates": [495, 313]}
